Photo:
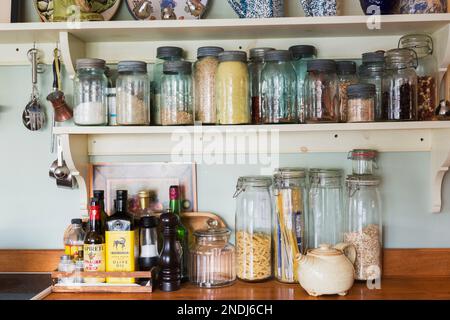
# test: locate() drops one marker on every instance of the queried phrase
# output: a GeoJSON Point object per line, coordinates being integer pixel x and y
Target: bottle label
{"type": "Point", "coordinates": [74, 251]}
{"type": "Point", "coordinates": [120, 254]}
{"type": "Point", "coordinates": [94, 260]}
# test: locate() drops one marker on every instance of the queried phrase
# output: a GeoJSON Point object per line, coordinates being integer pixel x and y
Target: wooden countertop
{"type": "Point", "coordinates": [436, 288]}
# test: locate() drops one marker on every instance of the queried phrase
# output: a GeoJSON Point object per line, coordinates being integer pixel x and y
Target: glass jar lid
{"type": "Point", "coordinates": [169, 52]}
{"type": "Point", "coordinates": [376, 57]}
{"type": "Point", "coordinates": [303, 51]}
{"type": "Point", "coordinates": [322, 65]}
{"type": "Point", "coordinates": [421, 43]}
{"type": "Point", "coordinates": [252, 181]}
{"type": "Point", "coordinates": [290, 173]}
{"type": "Point", "coordinates": [401, 58]}
{"type": "Point", "coordinates": [362, 180]}
{"type": "Point", "coordinates": [278, 56]}
{"type": "Point", "coordinates": [257, 54]}
{"type": "Point", "coordinates": [346, 67]}
{"type": "Point", "coordinates": [209, 52]}
{"type": "Point", "coordinates": [361, 90]}
{"type": "Point", "coordinates": [91, 64]}
{"type": "Point", "coordinates": [240, 56]}
{"type": "Point", "coordinates": [363, 154]}
{"type": "Point", "coordinates": [213, 232]}
{"type": "Point", "coordinates": [326, 173]}
{"type": "Point", "coordinates": [132, 66]}
{"type": "Point", "coordinates": [177, 67]}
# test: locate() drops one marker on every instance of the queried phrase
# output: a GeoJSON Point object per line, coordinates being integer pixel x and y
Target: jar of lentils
{"type": "Point", "coordinates": [361, 103]}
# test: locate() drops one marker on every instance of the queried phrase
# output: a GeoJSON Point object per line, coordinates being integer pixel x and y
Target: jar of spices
{"type": "Point", "coordinates": [346, 71]}
{"type": "Point", "coordinates": [133, 94]}
{"type": "Point", "coordinates": [427, 73]}
{"type": "Point", "coordinates": [253, 228]}
{"type": "Point", "coordinates": [322, 91]}
{"type": "Point", "coordinates": [176, 94]}
{"type": "Point", "coordinates": [212, 262]}
{"type": "Point", "coordinates": [255, 67]}
{"type": "Point", "coordinates": [400, 85]}
{"type": "Point", "coordinates": [361, 103]}
{"type": "Point", "coordinates": [364, 225]}
{"type": "Point", "coordinates": [163, 54]}
{"type": "Point", "coordinates": [90, 87]}
{"type": "Point", "coordinates": [364, 161]}
{"type": "Point", "coordinates": [372, 71]}
{"type": "Point", "coordinates": [279, 88]}
{"type": "Point", "coordinates": [301, 55]}
{"type": "Point", "coordinates": [289, 229]}
{"type": "Point", "coordinates": [205, 84]}
{"type": "Point", "coordinates": [232, 88]}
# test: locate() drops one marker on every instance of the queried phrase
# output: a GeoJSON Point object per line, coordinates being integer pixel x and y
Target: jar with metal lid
{"type": "Point", "coordinates": [361, 103]}
{"type": "Point", "coordinates": [255, 67]}
{"type": "Point", "coordinates": [90, 87]}
{"type": "Point", "coordinates": [372, 71]}
{"type": "Point", "coordinates": [205, 69]}
{"type": "Point", "coordinates": [346, 71]}
{"type": "Point", "coordinates": [364, 161]}
{"type": "Point", "coordinates": [254, 228]}
{"type": "Point", "coordinates": [212, 262]}
{"type": "Point", "coordinates": [325, 207]}
{"type": "Point", "coordinates": [427, 73]}
{"type": "Point", "coordinates": [400, 85]}
{"type": "Point", "coordinates": [322, 91]}
{"type": "Point", "coordinates": [163, 54]}
{"type": "Point", "coordinates": [289, 225]}
{"type": "Point", "coordinates": [279, 88]}
{"type": "Point", "coordinates": [132, 94]}
{"type": "Point", "coordinates": [232, 88]}
{"type": "Point", "coordinates": [301, 55]}
{"type": "Point", "coordinates": [364, 225]}
{"type": "Point", "coordinates": [176, 91]}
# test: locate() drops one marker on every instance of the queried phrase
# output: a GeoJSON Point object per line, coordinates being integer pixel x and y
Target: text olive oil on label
{"type": "Point", "coordinates": [94, 260]}
{"type": "Point", "coordinates": [120, 254]}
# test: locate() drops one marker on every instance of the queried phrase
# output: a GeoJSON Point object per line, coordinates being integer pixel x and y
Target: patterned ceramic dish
{"type": "Point", "coordinates": [319, 8]}
{"type": "Point", "coordinates": [422, 6]}
{"type": "Point", "coordinates": [167, 9]}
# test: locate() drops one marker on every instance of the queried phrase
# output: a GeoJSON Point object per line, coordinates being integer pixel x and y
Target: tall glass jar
{"type": "Point", "coordinates": [289, 228]}
{"type": "Point", "coordinates": [279, 88]}
{"type": "Point", "coordinates": [90, 87]}
{"type": "Point", "coordinates": [163, 54]}
{"type": "Point", "coordinates": [301, 55]}
{"type": "Point", "coordinates": [325, 207]}
{"type": "Point", "coordinates": [372, 71]}
{"type": "Point", "coordinates": [253, 228]}
{"type": "Point", "coordinates": [364, 161]}
{"type": "Point", "coordinates": [322, 92]}
{"type": "Point", "coordinates": [132, 94]}
{"type": "Point", "coordinates": [400, 85]}
{"type": "Point", "coordinates": [232, 88]}
{"type": "Point", "coordinates": [177, 94]}
{"type": "Point", "coordinates": [255, 67]}
{"type": "Point", "coordinates": [427, 73]}
{"type": "Point", "coordinates": [364, 225]}
{"type": "Point", "coordinates": [346, 71]}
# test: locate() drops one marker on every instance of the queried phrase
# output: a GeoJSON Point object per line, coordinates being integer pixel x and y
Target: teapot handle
{"type": "Point", "coordinates": [348, 249]}
{"type": "Point", "coordinates": [237, 8]}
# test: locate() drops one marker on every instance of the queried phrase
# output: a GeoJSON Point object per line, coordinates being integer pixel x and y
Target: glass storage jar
{"type": "Point", "coordinates": [232, 88]}
{"type": "Point", "coordinates": [289, 229]}
{"type": "Point", "coordinates": [279, 88]}
{"type": "Point", "coordinates": [372, 71]}
{"type": "Point", "coordinates": [346, 71]}
{"type": "Point", "coordinates": [176, 94]}
{"type": "Point", "coordinates": [322, 91]}
{"type": "Point", "coordinates": [253, 228]}
{"type": "Point", "coordinates": [400, 85]}
{"type": "Point", "coordinates": [301, 55]}
{"type": "Point", "coordinates": [163, 54]}
{"type": "Point", "coordinates": [427, 73]}
{"type": "Point", "coordinates": [132, 94]}
{"type": "Point", "coordinates": [255, 67]}
{"type": "Point", "coordinates": [364, 225]}
{"type": "Point", "coordinates": [422, 6]}
{"type": "Point", "coordinates": [212, 258]}
{"type": "Point", "coordinates": [90, 87]}
{"type": "Point", "coordinates": [205, 69]}
{"type": "Point", "coordinates": [361, 103]}
{"type": "Point", "coordinates": [364, 161]}
{"type": "Point", "coordinates": [325, 207]}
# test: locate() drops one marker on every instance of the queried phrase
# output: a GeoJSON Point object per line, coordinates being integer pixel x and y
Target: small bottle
{"type": "Point", "coordinates": [74, 240]}
{"type": "Point", "coordinates": [144, 203]}
{"type": "Point", "coordinates": [148, 257]}
{"type": "Point", "coordinates": [169, 262]}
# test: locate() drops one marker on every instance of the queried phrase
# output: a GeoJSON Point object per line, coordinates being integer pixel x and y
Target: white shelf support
{"type": "Point", "coordinates": [72, 49]}
{"type": "Point", "coordinates": [441, 40]}
{"type": "Point", "coordinates": [440, 164]}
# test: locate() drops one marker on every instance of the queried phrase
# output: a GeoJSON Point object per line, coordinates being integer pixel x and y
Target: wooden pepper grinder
{"type": "Point", "coordinates": [169, 261]}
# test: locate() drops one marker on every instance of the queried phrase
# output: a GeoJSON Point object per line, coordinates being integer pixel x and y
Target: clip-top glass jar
{"type": "Point", "coordinates": [253, 228]}
{"type": "Point", "coordinates": [372, 71]}
{"type": "Point", "coordinates": [132, 94]}
{"type": "Point", "coordinates": [90, 87]}
{"type": "Point", "coordinates": [364, 226]}
{"type": "Point", "coordinates": [364, 161]}
{"type": "Point", "coordinates": [346, 71]}
{"type": "Point", "coordinates": [212, 258]}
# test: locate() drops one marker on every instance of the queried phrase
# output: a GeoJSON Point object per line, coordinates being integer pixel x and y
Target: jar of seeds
{"type": "Point", "coordinates": [361, 103]}
{"type": "Point", "coordinates": [346, 71]}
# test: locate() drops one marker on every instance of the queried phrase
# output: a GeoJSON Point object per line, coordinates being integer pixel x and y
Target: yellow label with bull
{"type": "Point", "coordinates": [94, 260]}
{"type": "Point", "coordinates": [120, 254]}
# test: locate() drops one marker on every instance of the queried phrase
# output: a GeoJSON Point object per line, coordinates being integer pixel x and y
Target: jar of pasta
{"type": "Point", "coordinates": [232, 88]}
{"type": "Point", "coordinates": [253, 228]}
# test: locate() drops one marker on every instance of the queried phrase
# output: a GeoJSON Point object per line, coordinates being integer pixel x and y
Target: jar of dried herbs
{"type": "Point", "coordinates": [361, 103]}
{"type": "Point", "coordinates": [346, 71]}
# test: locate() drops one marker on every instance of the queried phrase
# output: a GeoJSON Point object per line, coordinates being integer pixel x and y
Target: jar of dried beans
{"type": "Point", "coordinates": [346, 71]}
{"type": "Point", "coordinates": [361, 103]}
{"type": "Point", "coordinates": [427, 73]}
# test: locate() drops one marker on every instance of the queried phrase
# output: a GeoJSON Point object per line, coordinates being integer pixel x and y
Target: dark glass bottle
{"type": "Point", "coordinates": [100, 195]}
{"type": "Point", "coordinates": [169, 261]}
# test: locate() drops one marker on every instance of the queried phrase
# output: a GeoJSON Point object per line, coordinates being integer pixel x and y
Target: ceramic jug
{"type": "Point", "coordinates": [318, 8]}
{"type": "Point", "coordinates": [258, 8]}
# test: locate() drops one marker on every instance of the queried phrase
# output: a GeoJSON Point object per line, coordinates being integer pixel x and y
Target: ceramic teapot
{"type": "Point", "coordinates": [327, 270]}
{"type": "Point", "coordinates": [258, 8]}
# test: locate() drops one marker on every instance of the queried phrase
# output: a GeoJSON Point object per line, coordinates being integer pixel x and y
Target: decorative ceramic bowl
{"type": "Point", "coordinates": [422, 6]}
{"type": "Point", "coordinates": [167, 9]}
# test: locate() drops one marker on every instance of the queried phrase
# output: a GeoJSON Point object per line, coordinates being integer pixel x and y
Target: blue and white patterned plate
{"type": "Point", "coordinates": [167, 9]}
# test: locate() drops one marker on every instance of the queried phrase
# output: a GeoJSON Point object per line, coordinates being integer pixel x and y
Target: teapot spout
{"type": "Point", "coordinates": [237, 8]}
{"type": "Point", "coordinates": [302, 259]}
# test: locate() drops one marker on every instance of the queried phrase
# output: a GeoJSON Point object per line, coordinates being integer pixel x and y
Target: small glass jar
{"type": "Point", "coordinates": [322, 92]}
{"type": "Point", "coordinates": [427, 73]}
{"type": "Point", "coordinates": [346, 71]}
{"type": "Point", "coordinates": [212, 262]}
{"type": "Point", "coordinates": [364, 161]}
{"type": "Point", "coordinates": [364, 226]}
{"type": "Point", "coordinates": [133, 94]}
{"type": "Point", "coordinates": [148, 242]}
{"type": "Point", "coordinates": [361, 103]}
{"type": "Point", "coordinates": [253, 228]}
{"type": "Point", "coordinates": [205, 70]}
{"type": "Point", "coordinates": [279, 88]}
{"type": "Point", "coordinates": [255, 67]}
{"type": "Point", "coordinates": [176, 91]}
{"type": "Point", "coordinates": [325, 207]}
{"type": "Point", "coordinates": [66, 265]}
{"type": "Point", "coordinates": [372, 71]}
{"type": "Point", "coordinates": [289, 228]}
{"type": "Point", "coordinates": [400, 85]}
{"type": "Point", "coordinates": [232, 88]}
{"type": "Point", "coordinates": [301, 55]}
{"type": "Point", "coordinates": [90, 87]}
{"type": "Point", "coordinates": [422, 6]}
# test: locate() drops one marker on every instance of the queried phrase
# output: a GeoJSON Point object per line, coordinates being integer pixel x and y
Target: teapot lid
{"type": "Point", "coordinates": [326, 250]}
